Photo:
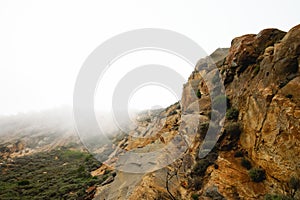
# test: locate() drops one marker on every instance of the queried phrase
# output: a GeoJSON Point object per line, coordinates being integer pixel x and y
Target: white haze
{"type": "Point", "coordinates": [44, 43]}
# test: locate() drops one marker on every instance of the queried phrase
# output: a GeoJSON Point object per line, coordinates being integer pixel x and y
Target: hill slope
{"type": "Point", "coordinates": [257, 150]}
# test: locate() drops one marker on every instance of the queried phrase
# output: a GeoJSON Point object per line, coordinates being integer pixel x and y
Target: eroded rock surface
{"type": "Point", "coordinates": [262, 82]}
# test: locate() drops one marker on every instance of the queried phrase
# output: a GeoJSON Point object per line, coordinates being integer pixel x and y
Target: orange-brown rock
{"type": "Point", "coordinates": [262, 81]}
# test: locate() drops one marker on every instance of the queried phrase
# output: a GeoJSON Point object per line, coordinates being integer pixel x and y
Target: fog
{"type": "Point", "coordinates": [44, 44]}
{"type": "Point", "coordinates": [57, 124]}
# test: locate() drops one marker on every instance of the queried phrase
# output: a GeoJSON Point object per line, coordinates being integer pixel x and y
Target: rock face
{"type": "Point", "coordinates": [261, 128]}
{"type": "Point", "coordinates": [261, 76]}
{"type": "Point", "coordinates": [267, 95]}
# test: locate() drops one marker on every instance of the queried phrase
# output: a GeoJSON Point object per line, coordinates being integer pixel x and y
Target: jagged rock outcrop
{"type": "Point", "coordinates": [262, 83]}
{"type": "Point", "coordinates": [264, 87]}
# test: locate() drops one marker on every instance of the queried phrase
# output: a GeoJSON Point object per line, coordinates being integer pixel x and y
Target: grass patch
{"type": "Point", "coordinates": [195, 196]}
{"type": "Point", "coordinates": [232, 114]}
{"type": "Point", "coordinates": [238, 154]}
{"type": "Point", "coordinates": [58, 174]}
{"type": "Point", "coordinates": [257, 175]}
{"type": "Point", "coordinates": [277, 197]}
{"type": "Point", "coordinates": [246, 163]}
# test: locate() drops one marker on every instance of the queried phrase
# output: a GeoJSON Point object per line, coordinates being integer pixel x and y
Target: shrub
{"type": "Point", "coordinates": [257, 175]}
{"type": "Point", "coordinates": [201, 166]}
{"type": "Point", "coordinates": [216, 78]}
{"type": "Point", "coordinates": [220, 102]}
{"type": "Point", "coordinates": [277, 197]}
{"type": "Point", "coordinates": [81, 169]}
{"type": "Point", "coordinates": [246, 163]}
{"type": "Point", "coordinates": [294, 183]}
{"type": "Point", "coordinates": [107, 171]}
{"type": "Point", "coordinates": [198, 93]}
{"type": "Point", "coordinates": [220, 99]}
{"type": "Point", "coordinates": [203, 127]}
{"type": "Point", "coordinates": [195, 196]}
{"type": "Point", "coordinates": [173, 112]}
{"type": "Point", "coordinates": [213, 114]}
{"type": "Point", "coordinates": [198, 183]}
{"type": "Point", "coordinates": [69, 154]}
{"type": "Point", "coordinates": [222, 71]}
{"type": "Point", "coordinates": [114, 173]}
{"type": "Point", "coordinates": [238, 154]}
{"type": "Point", "coordinates": [203, 153]}
{"type": "Point", "coordinates": [232, 113]}
{"type": "Point", "coordinates": [23, 183]}
{"type": "Point", "coordinates": [40, 176]}
{"type": "Point", "coordinates": [233, 129]}
{"type": "Point", "coordinates": [289, 96]}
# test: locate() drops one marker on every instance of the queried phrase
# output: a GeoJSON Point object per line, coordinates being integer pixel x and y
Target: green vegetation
{"type": "Point", "coordinates": [246, 163]}
{"type": "Point", "coordinates": [216, 78]}
{"type": "Point", "coordinates": [233, 129]}
{"type": "Point", "coordinates": [195, 196]}
{"type": "Point", "coordinates": [201, 166]}
{"type": "Point", "coordinates": [294, 185]}
{"type": "Point", "coordinates": [256, 69]}
{"type": "Point", "coordinates": [277, 197]}
{"type": "Point", "coordinates": [173, 112]}
{"type": "Point", "coordinates": [238, 154]}
{"type": "Point", "coordinates": [198, 183]}
{"type": "Point", "coordinates": [221, 101]}
{"type": "Point", "coordinates": [213, 114]}
{"type": "Point", "coordinates": [198, 93]}
{"type": "Point", "coordinates": [222, 71]}
{"type": "Point", "coordinates": [58, 174]}
{"type": "Point", "coordinates": [257, 174]}
{"type": "Point", "coordinates": [23, 183]}
{"type": "Point", "coordinates": [203, 127]}
{"type": "Point", "coordinates": [232, 114]}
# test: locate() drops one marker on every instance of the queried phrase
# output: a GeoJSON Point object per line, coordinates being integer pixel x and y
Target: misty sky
{"type": "Point", "coordinates": [44, 43]}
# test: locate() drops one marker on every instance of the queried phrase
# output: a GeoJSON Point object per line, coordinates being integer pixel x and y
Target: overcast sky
{"type": "Point", "coordinates": [44, 43]}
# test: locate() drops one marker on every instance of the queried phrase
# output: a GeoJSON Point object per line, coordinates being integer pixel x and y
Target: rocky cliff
{"type": "Point", "coordinates": [258, 143]}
